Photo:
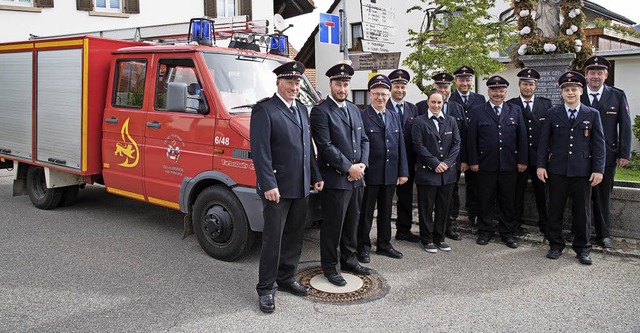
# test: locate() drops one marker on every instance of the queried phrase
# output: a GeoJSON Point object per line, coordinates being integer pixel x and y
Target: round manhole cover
{"type": "Point", "coordinates": [359, 288]}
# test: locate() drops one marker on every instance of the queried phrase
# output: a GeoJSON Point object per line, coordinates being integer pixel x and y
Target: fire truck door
{"type": "Point", "coordinates": [177, 144]}
{"type": "Point", "coordinates": [123, 129]}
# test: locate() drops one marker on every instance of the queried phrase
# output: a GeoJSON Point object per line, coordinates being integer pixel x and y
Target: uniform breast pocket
{"type": "Point", "coordinates": [585, 129]}
{"type": "Point", "coordinates": [612, 111]}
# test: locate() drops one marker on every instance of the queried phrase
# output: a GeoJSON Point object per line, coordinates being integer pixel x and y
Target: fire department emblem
{"type": "Point", "coordinates": [127, 148]}
{"type": "Point", "coordinates": [174, 146]}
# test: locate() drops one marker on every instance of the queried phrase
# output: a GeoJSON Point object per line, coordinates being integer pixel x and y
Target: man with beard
{"type": "Point", "coordinates": [496, 151]}
{"type": "Point", "coordinates": [467, 98]}
{"type": "Point", "coordinates": [534, 109]}
{"type": "Point", "coordinates": [343, 154]}
{"type": "Point", "coordinates": [285, 168]}
{"type": "Point", "coordinates": [616, 122]}
{"type": "Point", "coordinates": [408, 112]}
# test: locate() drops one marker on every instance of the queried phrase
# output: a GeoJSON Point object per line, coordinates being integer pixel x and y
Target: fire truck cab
{"type": "Point", "coordinates": [165, 124]}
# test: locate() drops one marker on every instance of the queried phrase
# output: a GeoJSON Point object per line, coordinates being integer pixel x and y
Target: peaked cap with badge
{"type": "Point", "coordinates": [442, 79]}
{"type": "Point", "coordinates": [290, 71]}
{"type": "Point", "coordinates": [596, 63]}
{"type": "Point", "coordinates": [399, 76]}
{"type": "Point", "coordinates": [379, 80]}
{"type": "Point", "coordinates": [571, 78]}
{"type": "Point", "coordinates": [497, 81]}
{"type": "Point", "coordinates": [340, 72]}
{"type": "Point", "coordinates": [528, 75]}
{"type": "Point", "coordinates": [464, 72]}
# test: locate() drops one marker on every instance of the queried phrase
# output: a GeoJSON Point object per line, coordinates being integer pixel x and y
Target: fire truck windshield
{"type": "Point", "coordinates": [242, 81]}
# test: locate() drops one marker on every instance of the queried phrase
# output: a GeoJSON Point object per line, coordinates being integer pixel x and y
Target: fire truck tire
{"type": "Point", "coordinates": [220, 224]}
{"type": "Point", "coordinates": [41, 196]}
{"type": "Point", "coordinates": [69, 195]}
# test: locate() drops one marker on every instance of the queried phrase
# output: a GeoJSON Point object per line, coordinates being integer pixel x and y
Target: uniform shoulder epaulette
{"type": "Point", "coordinates": [320, 101]}
{"type": "Point", "coordinates": [263, 100]}
{"type": "Point", "coordinates": [617, 89]}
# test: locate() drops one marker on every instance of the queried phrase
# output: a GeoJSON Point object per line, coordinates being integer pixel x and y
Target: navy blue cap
{"type": "Point", "coordinates": [379, 80]}
{"type": "Point", "coordinates": [291, 70]}
{"type": "Point", "coordinates": [464, 71]}
{"type": "Point", "coordinates": [399, 76]}
{"type": "Point", "coordinates": [497, 81]}
{"type": "Point", "coordinates": [571, 78]}
{"type": "Point", "coordinates": [442, 79]}
{"type": "Point", "coordinates": [340, 72]}
{"type": "Point", "coordinates": [597, 62]}
{"type": "Point", "coordinates": [528, 75]}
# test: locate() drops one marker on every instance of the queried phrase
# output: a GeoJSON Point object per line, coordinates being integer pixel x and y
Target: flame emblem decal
{"type": "Point", "coordinates": [128, 148]}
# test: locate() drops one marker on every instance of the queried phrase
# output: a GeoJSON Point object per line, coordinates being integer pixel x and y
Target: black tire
{"type": "Point", "coordinates": [41, 196]}
{"type": "Point", "coordinates": [69, 195]}
{"type": "Point", "coordinates": [221, 225]}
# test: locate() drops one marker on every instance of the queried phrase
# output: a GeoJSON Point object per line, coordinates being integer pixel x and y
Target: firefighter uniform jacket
{"type": "Point", "coordinates": [533, 121]}
{"type": "Point", "coordinates": [433, 146]}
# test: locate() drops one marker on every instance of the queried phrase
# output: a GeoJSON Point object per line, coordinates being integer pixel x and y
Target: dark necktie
{"type": "Point", "coordinates": [464, 99]}
{"type": "Point", "coordinates": [438, 122]}
{"type": "Point", "coordinates": [528, 107]}
{"type": "Point", "coordinates": [294, 110]}
{"type": "Point", "coordinates": [595, 103]}
{"type": "Point", "coordinates": [572, 117]}
{"type": "Point", "coordinates": [399, 108]}
{"type": "Point", "coordinates": [497, 109]}
{"type": "Point", "coordinates": [345, 112]}
{"type": "Point", "coordinates": [381, 116]}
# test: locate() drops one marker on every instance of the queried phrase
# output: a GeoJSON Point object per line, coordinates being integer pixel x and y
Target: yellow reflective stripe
{"type": "Point", "coordinates": [125, 193]}
{"type": "Point", "coordinates": [165, 203]}
{"type": "Point", "coordinates": [85, 102]}
{"type": "Point", "coordinates": [16, 46]}
{"type": "Point", "coordinates": [77, 42]}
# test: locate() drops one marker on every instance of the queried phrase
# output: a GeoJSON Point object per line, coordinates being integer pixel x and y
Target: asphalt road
{"type": "Point", "coordinates": [111, 264]}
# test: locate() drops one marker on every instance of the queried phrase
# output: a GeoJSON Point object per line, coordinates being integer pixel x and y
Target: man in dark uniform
{"type": "Point", "coordinates": [571, 159]}
{"type": "Point", "coordinates": [442, 83]}
{"type": "Point", "coordinates": [616, 122]}
{"type": "Point", "coordinates": [534, 109]}
{"type": "Point", "coordinates": [497, 151]}
{"type": "Point", "coordinates": [467, 98]}
{"type": "Point", "coordinates": [387, 168]}
{"type": "Point", "coordinates": [408, 112]}
{"type": "Point", "coordinates": [285, 167]}
{"type": "Point", "coordinates": [343, 154]}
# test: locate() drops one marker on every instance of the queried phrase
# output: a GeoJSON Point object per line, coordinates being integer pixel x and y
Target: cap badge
{"type": "Point", "coordinates": [295, 65]}
{"type": "Point", "coordinates": [342, 67]}
{"type": "Point", "coordinates": [569, 75]}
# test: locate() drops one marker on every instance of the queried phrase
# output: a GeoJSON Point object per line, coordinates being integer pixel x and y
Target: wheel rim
{"type": "Point", "coordinates": [218, 225]}
{"type": "Point", "coordinates": [40, 186]}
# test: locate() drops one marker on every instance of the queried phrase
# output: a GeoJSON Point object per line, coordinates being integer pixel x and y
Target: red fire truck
{"type": "Point", "coordinates": [163, 123]}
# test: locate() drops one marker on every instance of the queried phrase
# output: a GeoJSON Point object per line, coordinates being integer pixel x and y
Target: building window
{"type": "Point", "coordinates": [356, 34]}
{"type": "Point", "coordinates": [109, 6]}
{"type": "Point", "coordinates": [226, 8]}
{"type": "Point", "coordinates": [360, 98]}
{"type": "Point", "coordinates": [26, 3]}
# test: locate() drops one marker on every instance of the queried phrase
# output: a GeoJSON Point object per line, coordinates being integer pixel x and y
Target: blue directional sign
{"type": "Point", "coordinates": [329, 29]}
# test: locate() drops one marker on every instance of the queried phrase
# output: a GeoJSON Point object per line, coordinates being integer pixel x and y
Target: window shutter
{"type": "Point", "coordinates": [244, 8]}
{"type": "Point", "coordinates": [44, 3]}
{"type": "Point", "coordinates": [84, 5]}
{"type": "Point", "coordinates": [132, 6]}
{"type": "Point", "coordinates": [210, 8]}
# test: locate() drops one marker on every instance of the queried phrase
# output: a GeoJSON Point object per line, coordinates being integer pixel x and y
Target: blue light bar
{"type": "Point", "coordinates": [279, 45]}
{"type": "Point", "coordinates": [201, 31]}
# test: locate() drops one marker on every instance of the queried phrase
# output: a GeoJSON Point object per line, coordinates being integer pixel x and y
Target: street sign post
{"type": "Point", "coordinates": [375, 61]}
{"type": "Point", "coordinates": [378, 17]}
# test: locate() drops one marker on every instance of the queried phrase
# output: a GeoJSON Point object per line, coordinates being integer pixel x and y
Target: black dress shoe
{"type": "Point", "coordinates": [358, 269]}
{"type": "Point", "coordinates": [336, 279]}
{"type": "Point", "coordinates": [482, 240]}
{"type": "Point", "coordinates": [452, 235]}
{"type": "Point", "coordinates": [363, 256]}
{"type": "Point", "coordinates": [584, 258]}
{"type": "Point", "coordinates": [295, 288]}
{"type": "Point", "coordinates": [407, 236]}
{"type": "Point", "coordinates": [554, 253]}
{"type": "Point", "coordinates": [267, 303]}
{"type": "Point", "coordinates": [510, 241]}
{"type": "Point", "coordinates": [390, 252]}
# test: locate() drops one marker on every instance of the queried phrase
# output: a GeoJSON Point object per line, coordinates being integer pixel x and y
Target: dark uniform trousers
{"type": "Point", "coordinates": [497, 145]}
{"type": "Point", "coordinates": [571, 153]}
{"type": "Point", "coordinates": [534, 118]}
{"type": "Point", "coordinates": [287, 218]}
{"type": "Point", "coordinates": [433, 200]}
{"type": "Point", "coordinates": [382, 196]}
{"type": "Point", "coordinates": [616, 123]}
{"type": "Point", "coordinates": [471, 188]}
{"type": "Point", "coordinates": [341, 211]}
{"type": "Point", "coordinates": [404, 192]}
{"type": "Point", "coordinates": [341, 142]}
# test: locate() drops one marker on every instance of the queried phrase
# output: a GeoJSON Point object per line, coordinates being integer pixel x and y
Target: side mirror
{"type": "Point", "coordinates": [177, 96]}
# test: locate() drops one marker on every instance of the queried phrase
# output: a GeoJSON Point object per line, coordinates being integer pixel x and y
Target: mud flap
{"type": "Point", "coordinates": [187, 226]}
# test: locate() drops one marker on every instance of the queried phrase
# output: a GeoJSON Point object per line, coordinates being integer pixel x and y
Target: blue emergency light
{"type": "Point", "coordinates": [279, 45]}
{"type": "Point", "coordinates": [201, 31]}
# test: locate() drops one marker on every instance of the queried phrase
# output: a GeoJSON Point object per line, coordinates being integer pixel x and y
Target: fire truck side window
{"type": "Point", "coordinates": [178, 70]}
{"type": "Point", "coordinates": [130, 78]}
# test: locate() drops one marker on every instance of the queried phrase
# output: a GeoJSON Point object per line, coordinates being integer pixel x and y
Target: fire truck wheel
{"type": "Point", "coordinates": [41, 196]}
{"type": "Point", "coordinates": [220, 224]}
{"type": "Point", "coordinates": [69, 195]}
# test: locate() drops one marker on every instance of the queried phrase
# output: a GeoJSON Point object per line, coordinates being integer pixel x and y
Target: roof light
{"type": "Point", "coordinates": [201, 30]}
{"type": "Point", "coordinates": [279, 45]}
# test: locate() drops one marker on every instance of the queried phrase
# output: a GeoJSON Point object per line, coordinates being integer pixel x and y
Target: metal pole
{"type": "Point", "coordinates": [344, 45]}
